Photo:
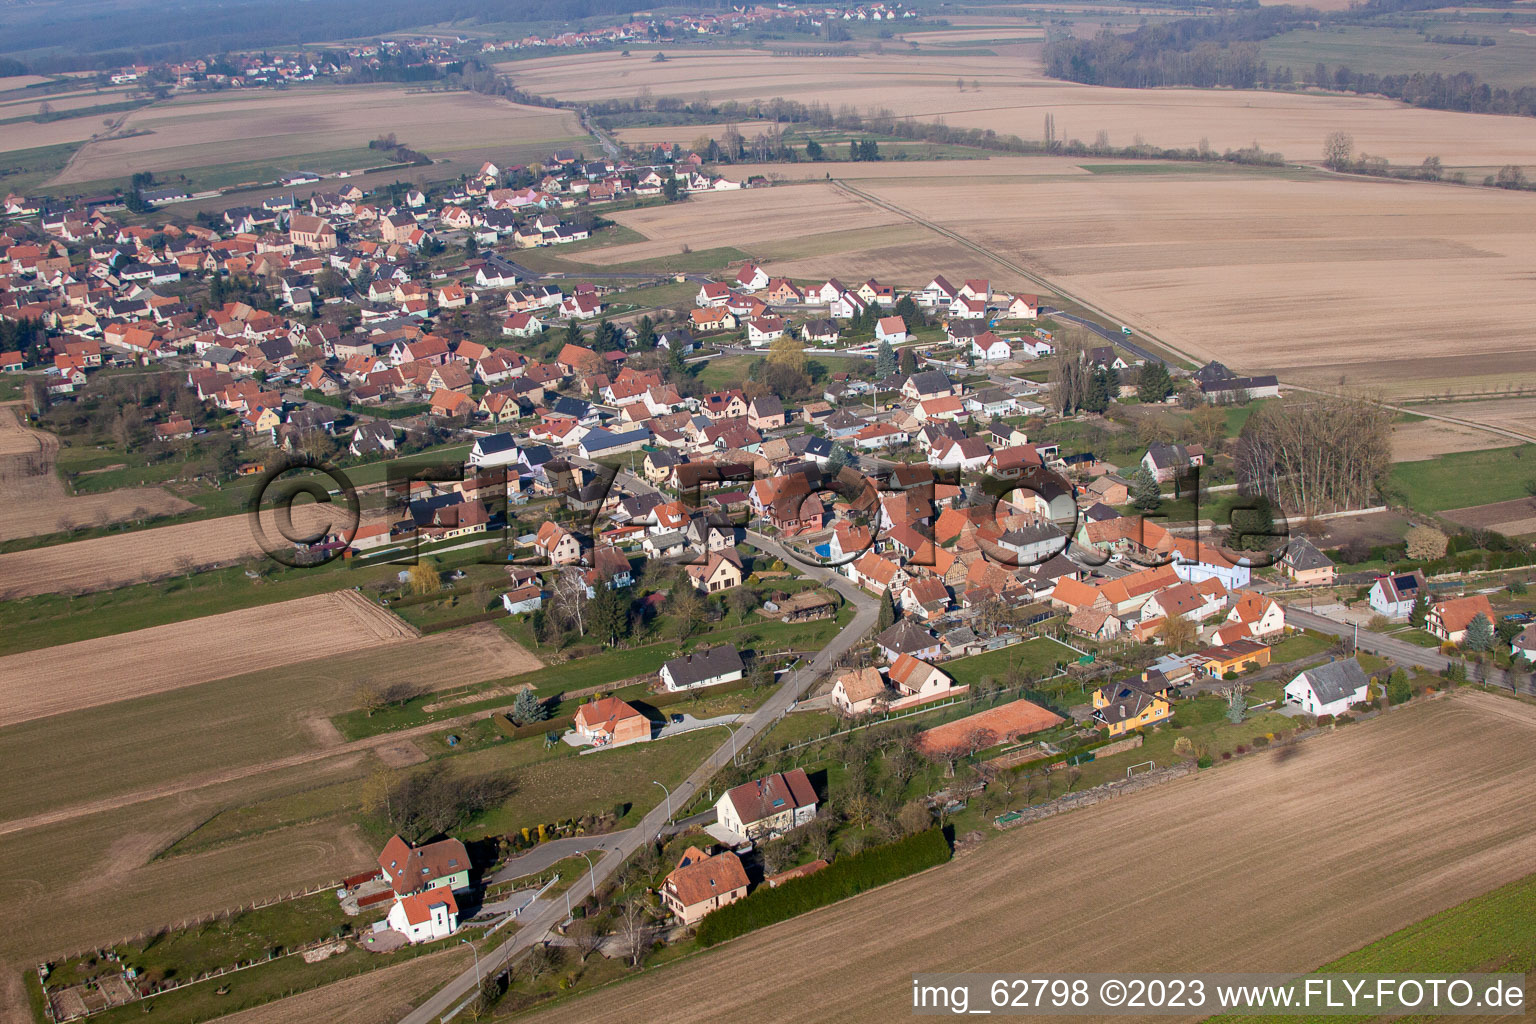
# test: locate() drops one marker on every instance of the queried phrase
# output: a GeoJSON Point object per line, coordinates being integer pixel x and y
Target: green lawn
{"type": "Point", "coordinates": [1204, 721]}
{"type": "Point", "coordinates": [247, 936]}
{"type": "Point", "coordinates": [596, 670]}
{"type": "Point", "coordinates": [1466, 478]}
{"type": "Point", "coordinates": [1494, 932]}
{"type": "Point", "coordinates": [1298, 647]}
{"type": "Point", "coordinates": [571, 784]}
{"type": "Point", "coordinates": [1040, 657]}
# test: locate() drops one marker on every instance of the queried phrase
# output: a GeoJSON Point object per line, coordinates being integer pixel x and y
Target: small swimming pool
{"type": "Point", "coordinates": [824, 550]}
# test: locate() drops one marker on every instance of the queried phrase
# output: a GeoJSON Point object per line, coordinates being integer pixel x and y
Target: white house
{"type": "Point", "coordinates": [527, 598]}
{"type": "Point", "coordinates": [703, 668]}
{"type": "Point", "coordinates": [892, 329]}
{"type": "Point", "coordinates": [845, 306]}
{"type": "Point", "coordinates": [989, 346]}
{"type": "Point", "coordinates": [494, 450]}
{"type": "Point", "coordinates": [1022, 307]}
{"type": "Point", "coordinates": [1328, 689]}
{"type": "Point", "coordinates": [751, 278]}
{"type": "Point", "coordinates": [1195, 562]}
{"type": "Point", "coordinates": [424, 916]}
{"type": "Point", "coordinates": [769, 806]}
{"type": "Point", "coordinates": [1394, 596]}
{"type": "Point", "coordinates": [937, 292]}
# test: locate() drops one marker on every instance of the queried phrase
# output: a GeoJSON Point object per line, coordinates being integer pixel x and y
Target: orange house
{"type": "Point", "coordinates": [610, 722]}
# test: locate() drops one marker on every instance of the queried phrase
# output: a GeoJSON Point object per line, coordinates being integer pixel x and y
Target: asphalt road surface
{"type": "Point", "coordinates": [1113, 334]}
{"type": "Point", "coordinates": [1400, 651]}
{"type": "Point", "coordinates": [612, 850]}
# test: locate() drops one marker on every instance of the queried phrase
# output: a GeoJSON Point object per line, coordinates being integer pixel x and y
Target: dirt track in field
{"type": "Point", "coordinates": [1270, 864]}
{"type": "Point", "coordinates": [33, 494]}
{"type": "Point", "coordinates": [113, 668]}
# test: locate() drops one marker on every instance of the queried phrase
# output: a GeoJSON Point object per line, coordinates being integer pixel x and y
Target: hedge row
{"type": "Point", "coordinates": [839, 880]}
{"type": "Point", "coordinates": [463, 620]}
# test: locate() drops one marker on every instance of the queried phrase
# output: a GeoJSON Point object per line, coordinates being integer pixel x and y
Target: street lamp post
{"type": "Point", "coordinates": [475, 951]}
{"type": "Point", "coordinates": [592, 871]}
{"type": "Point", "coordinates": [667, 791]}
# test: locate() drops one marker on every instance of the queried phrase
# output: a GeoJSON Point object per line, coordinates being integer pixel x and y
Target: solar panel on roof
{"type": "Point", "coordinates": [1403, 582]}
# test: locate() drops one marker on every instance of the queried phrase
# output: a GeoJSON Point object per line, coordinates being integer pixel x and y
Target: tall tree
{"type": "Point", "coordinates": [887, 617]}
{"type": "Point", "coordinates": [1479, 633]}
{"type": "Point", "coordinates": [527, 708]}
{"type": "Point", "coordinates": [609, 615]}
{"type": "Point", "coordinates": [1420, 610]}
{"type": "Point", "coordinates": [885, 360]}
{"type": "Point", "coordinates": [1154, 384]}
{"type": "Point", "coordinates": [1146, 493]}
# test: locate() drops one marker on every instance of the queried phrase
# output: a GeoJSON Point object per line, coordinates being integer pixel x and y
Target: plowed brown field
{"type": "Point", "coordinates": [118, 560]}
{"type": "Point", "coordinates": [113, 668]}
{"type": "Point", "coordinates": [33, 494]}
{"type": "Point", "coordinates": [1267, 865]}
{"type": "Point", "coordinates": [1013, 98]}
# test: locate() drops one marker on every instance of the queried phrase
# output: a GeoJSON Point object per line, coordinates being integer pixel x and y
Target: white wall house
{"type": "Point", "coordinates": [424, 916]}
{"type": "Point", "coordinates": [1329, 689]}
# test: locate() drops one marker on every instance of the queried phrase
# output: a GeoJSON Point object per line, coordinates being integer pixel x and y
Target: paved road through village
{"type": "Point", "coordinates": [620, 845]}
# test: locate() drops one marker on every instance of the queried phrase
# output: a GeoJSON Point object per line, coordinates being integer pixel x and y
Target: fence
{"type": "Point", "coordinates": [175, 985]}
{"type": "Point", "coordinates": [1089, 797]}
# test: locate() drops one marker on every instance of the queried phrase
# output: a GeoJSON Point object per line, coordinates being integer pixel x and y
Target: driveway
{"type": "Point", "coordinates": [690, 724]}
{"type": "Point", "coordinates": [547, 855]}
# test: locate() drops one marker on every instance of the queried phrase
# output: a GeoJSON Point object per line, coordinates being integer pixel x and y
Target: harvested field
{"type": "Point", "coordinates": [1014, 99]}
{"type": "Point", "coordinates": [1221, 266]}
{"type": "Point", "coordinates": [739, 219]}
{"type": "Point", "coordinates": [34, 495]}
{"type": "Point", "coordinates": [1441, 816]}
{"type": "Point", "coordinates": [959, 172]}
{"type": "Point", "coordinates": [114, 668]}
{"type": "Point", "coordinates": [1512, 518]}
{"type": "Point", "coordinates": [105, 563]}
{"type": "Point", "coordinates": [252, 125]}
{"type": "Point", "coordinates": [105, 752]}
{"type": "Point", "coordinates": [9, 82]}
{"type": "Point", "coordinates": [1508, 413]}
{"type": "Point", "coordinates": [1425, 439]}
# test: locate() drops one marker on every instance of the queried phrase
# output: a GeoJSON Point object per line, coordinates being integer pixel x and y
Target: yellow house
{"type": "Point", "coordinates": [1121, 707]}
{"type": "Point", "coordinates": [266, 418]}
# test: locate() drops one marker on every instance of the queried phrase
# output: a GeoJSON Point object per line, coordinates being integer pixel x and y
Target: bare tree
{"type": "Point", "coordinates": [1338, 148]}
{"type": "Point", "coordinates": [1312, 453]}
{"type": "Point", "coordinates": [585, 936]}
{"type": "Point", "coordinates": [634, 930]}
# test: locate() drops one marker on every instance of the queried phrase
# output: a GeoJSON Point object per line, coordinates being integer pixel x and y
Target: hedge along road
{"type": "Point", "coordinates": [532, 930]}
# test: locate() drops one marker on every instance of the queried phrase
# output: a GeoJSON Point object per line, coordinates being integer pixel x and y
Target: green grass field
{"type": "Point", "coordinates": [23, 170]}
{"type": "Point", "coordinates": [1396, 51]}
{"type": "Point", "coordinates": [1465, 478]}
{"type": "Point", "coordinates": [1494, 932]}
{"type": "Point", "coordinates": [1039, 657]}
